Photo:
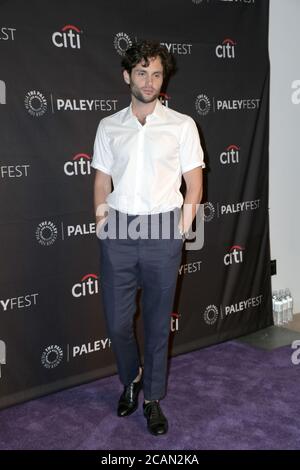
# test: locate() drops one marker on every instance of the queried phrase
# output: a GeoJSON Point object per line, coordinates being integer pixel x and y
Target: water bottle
{"type": "Point", "coordinates": [284, 301]}
{"type": "Point", "coordinates": [274, 298]}
{"type": "Point", "coordinates": [290, 304]}
{"type": "Point", "coordinates": [278, 311]}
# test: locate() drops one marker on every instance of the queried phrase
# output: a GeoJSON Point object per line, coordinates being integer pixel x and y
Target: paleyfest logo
{"type": "Point", "coordinates": [204, 104]}
{"type": "Point", "coordinates": [36, 104]}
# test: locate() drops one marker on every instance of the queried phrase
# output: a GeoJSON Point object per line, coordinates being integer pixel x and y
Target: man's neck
{"type": "Point", "coordinates": [142, 110]}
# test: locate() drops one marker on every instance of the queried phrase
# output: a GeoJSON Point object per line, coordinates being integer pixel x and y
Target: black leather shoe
{"type": "Point", "coordinates": [128, 402]}
{"type": "Point", "coordinates": [156, 421]}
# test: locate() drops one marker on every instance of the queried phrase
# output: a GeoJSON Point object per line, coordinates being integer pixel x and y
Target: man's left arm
{"type": "Point", "coordinates": [192, 163]}
{"type": "Point", "coordinates": [193, 196]}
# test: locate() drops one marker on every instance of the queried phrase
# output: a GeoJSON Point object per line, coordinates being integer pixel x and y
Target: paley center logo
{"type": "Point", "coordinates": [88, 285]}
{"type": "Point", "coordinates": [2, 355]}
{"type": "Point", "coordinates": [37, 104]}
{"type": "Point", "coordinates": [2, 92]}
{"type": "Point", "coordinates": [204, 104]}
{"type": "Point", "coordinates": [231, 155]}
{"type": "Point", "coordinates": [220, 209]}
{"type": "Point", "coordinates": [122, 41]}
{"type": "Point", "coordinates": [80, 164]}
{"type": "Point", "coordinates": [68, 37]}
{"type": "Point", "coordinates": [212, 312]}
{"type": "Point", "coordinates": [226, 50]}
{"type": "Point", "coordinates": [46, 233]}
{"type": "Point", "coordinates": [234, 256]}
{"type": "Point", "coordinates": [295, 97]}
{"type": "Point", "coordinates": [52, 356]}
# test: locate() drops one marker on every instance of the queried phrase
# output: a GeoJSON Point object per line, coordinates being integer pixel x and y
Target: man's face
{"type": "Point", "coordinates": [146, 82]}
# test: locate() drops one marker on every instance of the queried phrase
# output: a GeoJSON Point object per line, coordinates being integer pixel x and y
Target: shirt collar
{"type": "Point", "coordinates": [158, 112]}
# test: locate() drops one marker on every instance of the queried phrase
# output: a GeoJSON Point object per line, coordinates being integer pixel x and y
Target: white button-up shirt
{"type": "Point", "coordinates": [146, 162]}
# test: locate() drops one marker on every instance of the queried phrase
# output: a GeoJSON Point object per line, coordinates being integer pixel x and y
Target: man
{"type": "Point", "coordinates": [144, 150]}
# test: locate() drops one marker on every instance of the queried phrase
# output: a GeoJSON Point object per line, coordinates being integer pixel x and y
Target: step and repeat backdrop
{"type": "Point", "coordinates": [60, 74]}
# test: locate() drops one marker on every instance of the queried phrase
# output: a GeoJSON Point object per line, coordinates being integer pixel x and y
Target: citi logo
{"type": "Point", "coordinates": [226, 50]}
{"type": "Point", "coordinates": [68, 37]}
{"type": "Point", "coordinates": [164, 99]}
{"type": "Point", "coordinates": [88, 285]}
{"type": "Point", "coordinates": [174, 326]}
{"type": "Point", "coordinates": [2, 92]}
{"type": "Point", "coordinates": [231, 155]}
{"type": "Point", "coordinates": [79, 165]}
{"type": "Point", "coordinates": [235, 255]}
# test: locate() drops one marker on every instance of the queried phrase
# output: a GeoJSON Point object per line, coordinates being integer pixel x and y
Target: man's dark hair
{"type": "Point", "coordinates": [145, 50]}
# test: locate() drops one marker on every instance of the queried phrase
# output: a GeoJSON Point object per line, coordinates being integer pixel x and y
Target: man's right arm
{"type": "Point", "coordinates": [102, 188]}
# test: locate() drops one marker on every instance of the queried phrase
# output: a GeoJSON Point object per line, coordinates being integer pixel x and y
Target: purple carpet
{"type": "Point", "coordinates": [228, 396]}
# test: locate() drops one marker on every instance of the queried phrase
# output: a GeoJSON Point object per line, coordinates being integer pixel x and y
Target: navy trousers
{"type": "Point", "coordinates": [152, 264]}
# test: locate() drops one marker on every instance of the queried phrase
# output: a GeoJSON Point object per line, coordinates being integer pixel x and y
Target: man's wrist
{"type": "Point", "coordinates": [183, 234]}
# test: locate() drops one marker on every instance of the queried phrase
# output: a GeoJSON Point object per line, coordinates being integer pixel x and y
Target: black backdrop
{"type": "Point", "coordinates": [60, 74]}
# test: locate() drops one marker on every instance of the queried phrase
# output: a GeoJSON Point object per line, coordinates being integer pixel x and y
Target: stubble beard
{"type": "Point", "coordinates": [140, 97]}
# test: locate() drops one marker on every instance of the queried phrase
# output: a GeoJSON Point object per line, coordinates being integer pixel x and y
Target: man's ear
{"type": "Point", "coordinates": [126, 77]}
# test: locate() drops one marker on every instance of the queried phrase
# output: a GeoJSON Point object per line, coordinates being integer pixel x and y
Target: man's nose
{"type": "Point", "coordinates": [149, 80]}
